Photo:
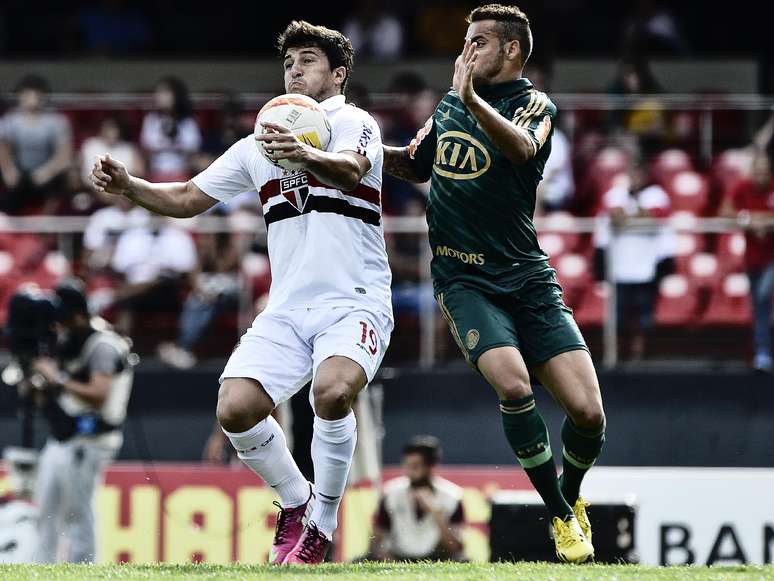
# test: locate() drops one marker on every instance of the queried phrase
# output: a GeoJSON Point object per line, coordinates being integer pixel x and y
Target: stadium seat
{"type": "Point", "coordinates": [591, 311]}
{"type": "Point", "coordinates": [686, 246]}
{"type": "Point", "coordinates": [560, 224]}
{"type": "Point", "coordinates": [728, 168]}
{"type": "Point", "coordinates": [677, 302]}
{"type": "Point", "coordinates": [731, 249]}
{"type": "Point", "coordinates": [703, 270]}
{"type": "Point", "coordinates": [730, 302]}
{"type": "Point", "coordinates": [552, 244]}
{"type": "Point", "coordinates": [669, 163]}
{"type": "Point", "coordinates": [688, 191]}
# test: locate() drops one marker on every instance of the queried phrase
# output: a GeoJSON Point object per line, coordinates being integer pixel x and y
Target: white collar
{"type": "Point", "coordinates": [333, 103]}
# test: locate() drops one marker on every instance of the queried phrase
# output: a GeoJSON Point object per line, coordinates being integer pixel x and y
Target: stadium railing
{"type": "Point", "coordinates": [594, 302]}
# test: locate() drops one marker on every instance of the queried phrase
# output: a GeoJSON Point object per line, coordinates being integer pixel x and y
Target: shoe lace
{"type": "Point", "coordinates": [280, 529]}
{"type": "Point", "coordinates": [310, 543]}
{"type": "Point", "coordinates": [564, 533]}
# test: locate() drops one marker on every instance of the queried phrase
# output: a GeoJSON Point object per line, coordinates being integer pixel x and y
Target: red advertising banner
{"type": "Point", "coordinates": [184, 513]}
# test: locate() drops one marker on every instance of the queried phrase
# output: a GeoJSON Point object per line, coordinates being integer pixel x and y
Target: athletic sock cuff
{"type": "Point", "coordinates": [517, 406]}
{"type": "Point", "coordinates": [595, 432]}
{"type": "Point", "coordinates": [246, 440]}
{"type": "Point", "coordinates": [335, 431]}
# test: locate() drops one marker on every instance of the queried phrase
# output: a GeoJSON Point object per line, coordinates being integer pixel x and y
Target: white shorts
{"type": "Point", "coordinates": [282, 350]}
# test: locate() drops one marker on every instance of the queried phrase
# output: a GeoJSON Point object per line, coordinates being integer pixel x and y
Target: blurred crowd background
{"type": "Point", "coordinates": [637, 172]}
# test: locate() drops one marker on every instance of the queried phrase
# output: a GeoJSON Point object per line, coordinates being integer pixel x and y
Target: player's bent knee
{"type": "Point", "coordinates": [588, 416]}
{"type": "Point", "coordinates": [513, 389]}
{"type": "Point", "coordinates": [240, 406]}
{"type": "Point", "coordinates": [333, 400]}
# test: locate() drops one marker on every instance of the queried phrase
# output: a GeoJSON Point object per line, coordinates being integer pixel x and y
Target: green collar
{"type": "Point", "coordinates": [505, 89]}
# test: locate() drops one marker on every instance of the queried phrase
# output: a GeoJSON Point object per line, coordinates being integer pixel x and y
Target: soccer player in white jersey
{"type": "Point", "coordinates": [329, 315]}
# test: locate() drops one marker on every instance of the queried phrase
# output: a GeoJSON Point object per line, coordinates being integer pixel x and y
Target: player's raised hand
{"type": "Point", "coordinates": [280, 143]}
{"type": "Point", "coordinates": [463, 72]}
{"type": "Point", "coordinates": [109, 175]}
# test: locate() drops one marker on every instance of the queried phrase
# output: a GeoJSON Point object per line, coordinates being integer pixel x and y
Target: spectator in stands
{"type": "Point", "coordinates": [374, 32]}
{"type": "Point", "coordinates": [215, 288]}
{"type": "Point", "coordinates": [420, 514]}
{"type": "Point", "coordinates": [170, 135]}
{"type": "Point", "coordinates": [154, 260]}
{"type": "Point", "coordinates": [103, 230]}
{"type": "Point", "coordinates": [638, 256]}
{"type": "Point", "coordinates": [644, 119]}
{"type": "Point", "coordinates": [752, 203]}
{"type": "Point", "coordinates": [35, 150]}
{"type": "Point", "coordinates": [233, 124]}
{"type": "Point", "coordinates": [112, 140]}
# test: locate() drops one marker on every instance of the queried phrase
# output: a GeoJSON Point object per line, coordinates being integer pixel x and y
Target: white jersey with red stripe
{"type": "Point", "coordinates": [326, 247]}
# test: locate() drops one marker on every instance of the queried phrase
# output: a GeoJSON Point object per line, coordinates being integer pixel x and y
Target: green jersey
{"type": "Point", "coordinates": [481, 205]}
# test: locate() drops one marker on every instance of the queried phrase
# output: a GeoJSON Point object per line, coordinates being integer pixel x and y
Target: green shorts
{"type": "Point", "coordinates": [534, 319]}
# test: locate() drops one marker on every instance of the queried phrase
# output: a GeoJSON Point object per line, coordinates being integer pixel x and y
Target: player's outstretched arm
{"type": "Point", "coordinates": [513, 142]}
{"type": "Point", "coordinates": [397, 163]}
{"type": "Point", "coordinates": [178, 200]}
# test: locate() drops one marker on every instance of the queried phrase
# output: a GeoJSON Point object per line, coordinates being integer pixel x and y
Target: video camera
{"type": "Point", "coordinates": [31, 333]}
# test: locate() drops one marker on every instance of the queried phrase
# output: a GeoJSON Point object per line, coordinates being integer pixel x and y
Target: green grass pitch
{"type": "Point", "coordinates": [373, 571]}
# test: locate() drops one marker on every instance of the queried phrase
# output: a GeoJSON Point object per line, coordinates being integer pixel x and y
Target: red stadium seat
{"type": "Point", "coordinates": [731, 249]}
{"type": "Point", "coordinates": [592, 309]}
{"type": "Point", "coordinates": [687, 245]}
{"type": "Point", "coordinates": [730, 302]}
{"type": "Point", "coordinates": [703, 270]}
{"type": "Point", "coordinates": [728, 168]}
{"type": "Point", "coordinates": [552, 244]}
{"type": "Point", "coordinates": [561, 224]}
{"type": "Point", "coordinates": [677, 302]}
{"type": "Point", "coordinates": [689, 192]}
{"type": "Point", "coordinates": [669, 163]}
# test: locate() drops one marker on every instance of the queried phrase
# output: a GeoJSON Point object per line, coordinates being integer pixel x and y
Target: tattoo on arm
{"type": "Point", "coordinates": [397, 163]}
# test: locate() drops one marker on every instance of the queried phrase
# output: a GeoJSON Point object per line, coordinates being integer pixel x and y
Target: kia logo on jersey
{"type": "Point", "coordinates": [295, 188]}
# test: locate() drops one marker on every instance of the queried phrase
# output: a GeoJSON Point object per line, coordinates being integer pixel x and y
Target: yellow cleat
{"type": "Point", "coordinates": [579, 509]}
{"type": "Point", "coordinates": [571, 545]}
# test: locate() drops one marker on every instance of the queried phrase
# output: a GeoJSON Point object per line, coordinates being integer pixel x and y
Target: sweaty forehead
{"type": "Point", "coordinates": [485, 28]}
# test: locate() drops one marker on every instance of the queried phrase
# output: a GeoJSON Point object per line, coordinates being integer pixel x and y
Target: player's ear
{"type": "Point", "coordinates": [513, 50]}
{"type": "Point", "coordinates": [340, 75]}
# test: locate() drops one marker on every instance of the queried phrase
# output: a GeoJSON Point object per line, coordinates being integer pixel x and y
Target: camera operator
{"type": "Point", "coordinates": [86, 391]}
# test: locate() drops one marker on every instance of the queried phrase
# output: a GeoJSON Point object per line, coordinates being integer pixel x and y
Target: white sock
{"type": "Point", "coordinates": [264, 450]}
{"type": "Point", "coordinates": [333, 445]}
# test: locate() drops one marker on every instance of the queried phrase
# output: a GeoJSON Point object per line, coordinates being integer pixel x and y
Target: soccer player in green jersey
{"type": "Point", "coordinates": [484, 150]}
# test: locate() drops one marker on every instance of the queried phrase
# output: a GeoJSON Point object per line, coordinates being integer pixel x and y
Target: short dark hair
{"type": "Point", "coordinates": [429, 447]}
{"type": "Point", "coordinates": [337, 47]}
{"type": "Point", "coordinates": [32, 83]}
{"type": "Point", "coordinates": [513, 25]}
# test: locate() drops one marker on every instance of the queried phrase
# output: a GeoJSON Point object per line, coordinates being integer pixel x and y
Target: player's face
{"type": "Point", "coordinates": [30, 100]}
{"type": "Point", "coordinates": [415, 469]}
{"type": "Point", "coordinates": [761, 169]}
{"type": "Point", "coordinates": [491, 55]}
{"type": "Point", "coordinates": [308, 72]}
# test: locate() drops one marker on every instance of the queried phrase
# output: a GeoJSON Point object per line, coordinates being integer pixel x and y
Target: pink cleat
{"type": "Point", "coordinates": [289, 529]}
{"type": "Point", "coordinates": [310, 549]}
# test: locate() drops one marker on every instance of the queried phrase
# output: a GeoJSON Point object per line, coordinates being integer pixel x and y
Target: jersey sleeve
{"type": "Point", "coordinates": [536, 118]}
{"type": "Point", "coordinates": [422, 150]}
{"type": "Point", "coordinates": [105, 359]}
{"type": "Point", "coordinates": [357, 132]}
{"type": "Point", "coordinates": [227, 176]}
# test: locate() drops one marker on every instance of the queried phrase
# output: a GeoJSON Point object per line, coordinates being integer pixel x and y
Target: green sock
{"type": "Point", "coordinates": [582, 447]}
{"type": "Point", "coordinates": [526, 433]}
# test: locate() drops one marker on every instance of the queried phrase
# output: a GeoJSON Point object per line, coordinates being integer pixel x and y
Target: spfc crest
{"type": "Point", "coordinates": [295, 188]}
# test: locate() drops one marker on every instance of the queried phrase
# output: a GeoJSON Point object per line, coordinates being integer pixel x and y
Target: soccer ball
{"type": "Point", "coordinates": [299, 113]}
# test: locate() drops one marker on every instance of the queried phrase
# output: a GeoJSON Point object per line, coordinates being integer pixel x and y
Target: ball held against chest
{"type": "Point", "coordinates": [302, 115]}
